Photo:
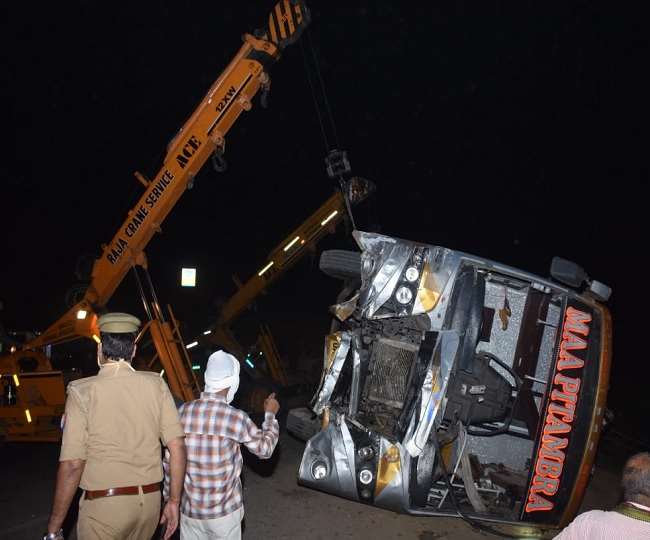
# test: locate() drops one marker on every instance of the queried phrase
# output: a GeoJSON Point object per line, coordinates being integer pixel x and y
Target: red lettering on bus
{"type": "Point", "coordinates": [560, 413]}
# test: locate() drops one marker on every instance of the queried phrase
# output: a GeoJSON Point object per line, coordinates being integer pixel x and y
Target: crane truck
{"type": "Point", "coordinates": [26, 374]}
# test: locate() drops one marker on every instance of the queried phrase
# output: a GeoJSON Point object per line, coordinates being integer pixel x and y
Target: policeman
{"type": "Point", "coordinates": [113, 425]}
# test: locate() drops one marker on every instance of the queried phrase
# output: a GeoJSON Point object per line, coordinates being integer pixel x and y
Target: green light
{"type": "Point", "coordinates": [250, 363]}
{"type": "Point", "coordinates": [195, 368]}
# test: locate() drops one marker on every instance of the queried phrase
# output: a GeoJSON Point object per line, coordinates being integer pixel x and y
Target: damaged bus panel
{"type": "Point", "coordinates": [455, 385]}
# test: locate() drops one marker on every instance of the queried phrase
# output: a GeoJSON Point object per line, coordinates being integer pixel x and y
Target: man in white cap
{"type": "Point", "coordinates": [212, 505]}
{"type": "Point", "coordinates": [113, 425]}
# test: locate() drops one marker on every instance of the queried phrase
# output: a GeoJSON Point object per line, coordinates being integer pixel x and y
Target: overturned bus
{"type": "Point", "coordinates": [458, 386]}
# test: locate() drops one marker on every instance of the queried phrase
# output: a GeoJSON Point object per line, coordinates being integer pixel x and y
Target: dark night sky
{"type": "Point", "coordinates": [513, 130]}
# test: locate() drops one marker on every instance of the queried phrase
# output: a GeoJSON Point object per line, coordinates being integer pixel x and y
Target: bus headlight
{"type": "Point", "coordinates": [319, 470]}
{"type": "Point", "coordinates": [365, 476]}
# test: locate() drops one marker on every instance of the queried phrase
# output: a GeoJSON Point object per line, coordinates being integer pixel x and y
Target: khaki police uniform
{"type": "Point", "coordinates": [115, 421]}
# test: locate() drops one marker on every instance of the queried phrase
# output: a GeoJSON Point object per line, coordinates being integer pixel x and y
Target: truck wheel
{"type": "Point", "coordinates": [341, 264]}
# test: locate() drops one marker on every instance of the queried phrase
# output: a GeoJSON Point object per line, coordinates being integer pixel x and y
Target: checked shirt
{"type": "Point", "coordinates": [213, 432]}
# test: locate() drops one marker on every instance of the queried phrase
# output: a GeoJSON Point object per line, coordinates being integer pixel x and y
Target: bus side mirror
{"type": "Point", "coordinates": [568, 272]}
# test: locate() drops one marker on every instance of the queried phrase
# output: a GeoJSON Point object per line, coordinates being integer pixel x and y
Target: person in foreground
{"type": "Point", "coordinates": [113, 425]}
{"type": "Point", "coordinates": [211, 504]}
{"type": "Point", "coordinates": [630, 520]}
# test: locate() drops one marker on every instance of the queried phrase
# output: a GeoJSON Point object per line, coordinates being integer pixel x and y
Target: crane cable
{"type": "Point", "coordinates": [323, 92]}
{"type": "Point", "coordinates": [319, 114]}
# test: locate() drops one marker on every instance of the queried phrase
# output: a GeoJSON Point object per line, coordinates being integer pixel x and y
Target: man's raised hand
{"type": "Point", "coordinates": [271, 404]}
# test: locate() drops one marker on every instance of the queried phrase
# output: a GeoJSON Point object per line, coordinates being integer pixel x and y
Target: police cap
{"type": "Point", "coordinates": [118, 323]}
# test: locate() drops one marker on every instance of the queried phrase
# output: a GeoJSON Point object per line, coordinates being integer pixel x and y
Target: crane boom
{"type": "Point", "coordinates": [295, 245]}
{"type": "Point", "coordinates": [202, 135]}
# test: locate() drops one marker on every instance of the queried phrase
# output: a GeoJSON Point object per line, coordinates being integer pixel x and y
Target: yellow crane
{"type": "Point", "coordinates": [37, 393]}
